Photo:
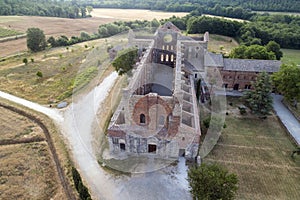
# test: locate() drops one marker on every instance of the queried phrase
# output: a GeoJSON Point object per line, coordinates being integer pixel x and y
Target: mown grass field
{"type": "Point", "coordinates": [291, 56]}
{"type": "Point", "coordinates": [259, 152]}
{"type": "Point", "coordinates": [27, 170]}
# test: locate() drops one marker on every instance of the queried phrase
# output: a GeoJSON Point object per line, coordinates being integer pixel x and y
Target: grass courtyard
{"type": "Point", "coordinates": [259, 152]}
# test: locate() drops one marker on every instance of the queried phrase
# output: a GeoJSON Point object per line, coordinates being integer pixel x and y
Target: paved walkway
{"type": "Point", "coordinates": [287, 118]}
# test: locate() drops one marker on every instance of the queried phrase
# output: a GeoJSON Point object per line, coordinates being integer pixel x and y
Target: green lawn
{"type": "Point", "coordinates": [258, 151]}
{"type": "Point", "coordinates": [291, 56]}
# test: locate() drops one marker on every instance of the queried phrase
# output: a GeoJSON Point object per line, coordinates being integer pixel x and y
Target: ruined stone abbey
{"type": "Point", "coordinates": [158, 114]}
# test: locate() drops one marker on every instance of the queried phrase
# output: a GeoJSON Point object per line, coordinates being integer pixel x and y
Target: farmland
{"type": "Point", "coordinates": [27, 169]}
{"type": "Point", "coordinates": [258, 151]}
{"type": "Point", "coordinates": [53, 26]}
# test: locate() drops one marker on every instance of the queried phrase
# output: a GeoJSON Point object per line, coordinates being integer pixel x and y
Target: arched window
{"type": "Point", "coordinates": [162, 57]}
{"type": "Point", "coordinates": [163, 47]}
{"type": "Point", "coordinates": [142, 119]}
{"type": "Point", "coordinates": [167, 58]}
{"type": "Point", "coordinates": [172, 58]}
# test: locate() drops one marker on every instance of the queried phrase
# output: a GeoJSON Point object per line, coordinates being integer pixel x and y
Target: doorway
{"type": "Point", "coordinates": [236, 87]}
{"type": "Point", "coordinates": [151, 148]}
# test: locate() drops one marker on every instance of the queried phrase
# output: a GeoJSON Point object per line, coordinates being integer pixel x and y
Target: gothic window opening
{"type": "Point", "coordinates": [142, 119]}
{"type": "Point", "coordinates": [172, 58]}
{"type": "Point", "coordinates": [167, 58]}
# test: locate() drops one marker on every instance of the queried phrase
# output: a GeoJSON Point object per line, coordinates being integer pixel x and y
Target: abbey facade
{"type": "Point", "coordinates": [158, 114]}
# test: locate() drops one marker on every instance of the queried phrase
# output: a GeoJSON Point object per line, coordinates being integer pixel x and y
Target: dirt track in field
{"type": "Point", "coordinates": [59, 169]}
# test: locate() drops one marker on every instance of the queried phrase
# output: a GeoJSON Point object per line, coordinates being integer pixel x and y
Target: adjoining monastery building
{"type": "Point", "coordinates": [158, 114]}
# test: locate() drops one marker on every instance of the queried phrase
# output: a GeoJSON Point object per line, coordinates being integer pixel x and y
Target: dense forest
{"type": "Point", "coordinates": [81, 8]}
{"type": "Point", "coordinates": [283, 29]}
{"type": "Point", "coordinates": [52, 8]}
{"type": "Point", "coordinates": [190, 5]}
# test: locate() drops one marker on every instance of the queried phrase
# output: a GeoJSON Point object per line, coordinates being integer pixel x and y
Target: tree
{"type": "Point", "coordinates": [125, 60]}
{"type": "Point", "coordinates": [89, 9]}
{"type": "Point", "coordinates": [52, 41]}
{"type": "Point", "coordinates": [102, 31]}
{"type": "Point", "coordinates": [259, 99]}
{"type": "Point", "coordinates": [84, 36]}
{"type": "Point", "coordinates": [154, 23]}
{"type": "Point", "coordinates": [36, 40]}
{"type": "Point", "coordinates": [259, 52]}
{"type": "Point", "coordinates": [252, 52]}
{"type": "Point", "coordinates": [287, 81]}
{"type": "Point", "coordinates": [212, 182]}
{"type": "Point", "coordinates": [275, 48]}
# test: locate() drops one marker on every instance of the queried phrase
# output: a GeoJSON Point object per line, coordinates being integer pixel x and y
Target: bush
{"type": "Point", "coordinates": [82, 189]}
{"type": "Point", "coordinates": [39, 74]}
{"type": "Point", "coordinates": [25, 61]}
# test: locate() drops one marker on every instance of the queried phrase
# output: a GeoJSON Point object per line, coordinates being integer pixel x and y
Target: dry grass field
{"type": "Point", "coordinates": [132, 14]}
{"type": "Point", "coordinates": [221, 44]}
{"type": "Point", "coordinates": [259, 152]}
{"type": "Point", "coordinates": [27, 170]}
{"type": "Point", "coordinates": [53, 26]}
{"type": "Point", "coordinates": [64, 70]}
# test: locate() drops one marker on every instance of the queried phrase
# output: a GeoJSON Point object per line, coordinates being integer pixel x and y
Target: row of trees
{"type": "Point", "coordinates": [65, 41]}
{"type": "Point", "coordinates": [67, 9]}
{"type": "Point", "coordinates": [269, 52]}
{"type": "Point", "coordinates": [283, 29]}
{"type": "Point", "coordinates": [36, 40]}
{"type": "Point", "coordinates": [189, 5]}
